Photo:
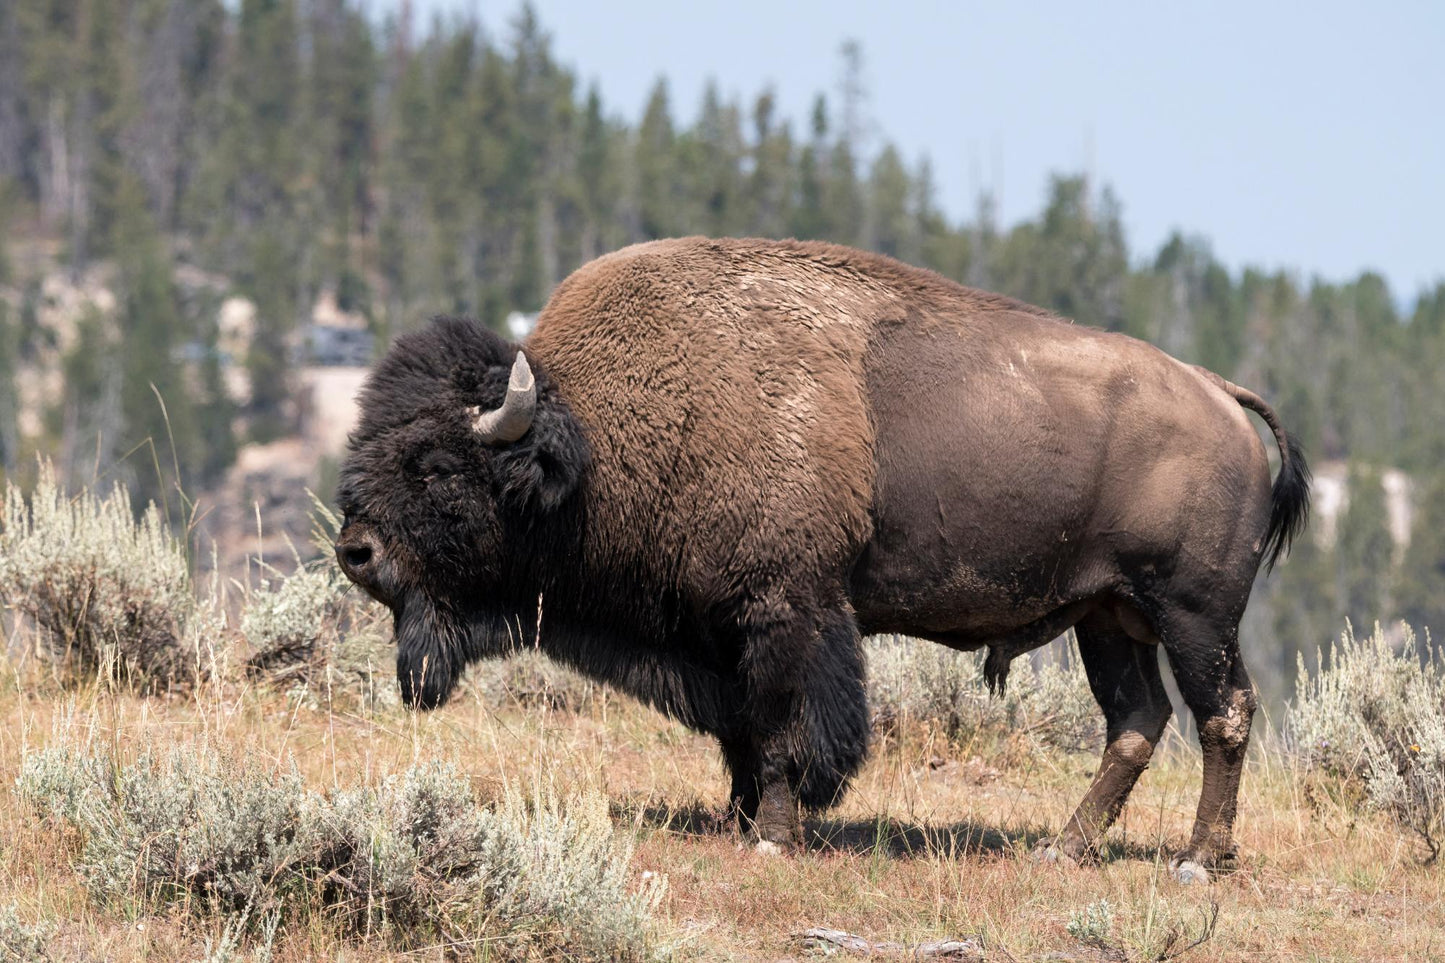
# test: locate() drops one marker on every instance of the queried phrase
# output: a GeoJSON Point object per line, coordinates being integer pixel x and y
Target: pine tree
{"type": "Point", "coordinates": [9, 402]}
{"type": "Point", "coordinates": [709, 160]}
{"type": "Point", "coordinates": [542, 132]}
{"type": "Point", "coordinates": [1072, 260]}
{"type": "Point", "coordinates": [215, 413]}
{"type": "Point", "coordinates": [941, 247]}
{"type": "Point", "coordinates": [598, 180]}
{"type": "Point", "coordinates": [654, 162]}
{"type": "Point", "coordinates": [1306, 606]}
{"type": "Point", "coordinates": [105, 97]}
{"type": "Point", "coordinates": [250, 174]}
{"type": "Point", "coordinates": [85, 430]}
{"type": "Point", "coordinates": [811, 218]}
{"type": "Point", "coordinates": [843, 197]}
{"type": "Point", "coordinates": [768, 196]}
{"type": "Point", "coordinates": [13, 100]}
{"type": "Point", "coordinates": [1423, 350]}
{"type": "Point", "coordinates": [891, 227]}
{"type": "Point", "coordinates": [1421, 590]}
{"type": "Point", "coordinates": [157, 411]}
{"type": "Point", "coordinates": [341, 81]}
{"type": "Point", "coordinates": [1364, 549]}
{"type": "Point", "coordinates": [271, 283]}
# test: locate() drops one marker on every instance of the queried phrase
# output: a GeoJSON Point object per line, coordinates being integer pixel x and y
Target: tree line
{"type": "Point", "coordinates": [297, 146]}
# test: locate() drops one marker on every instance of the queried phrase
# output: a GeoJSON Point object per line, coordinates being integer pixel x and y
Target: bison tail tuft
{"type": "Point", "coordinates": [1289, 501]}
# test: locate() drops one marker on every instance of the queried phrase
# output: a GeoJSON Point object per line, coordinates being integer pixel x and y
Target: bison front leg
{"type": "Point", "coordinates": [1124, 677]}
{"type": "Point", "coordinates": [763, 799]}
{"type": "Point", "coordinates": [740, 757]}
{"type": "Point", "coordinates": [804, 729]}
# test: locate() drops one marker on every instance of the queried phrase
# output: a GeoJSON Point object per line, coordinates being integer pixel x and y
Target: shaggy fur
{"type": "Point", "coordinates": [746, 454]}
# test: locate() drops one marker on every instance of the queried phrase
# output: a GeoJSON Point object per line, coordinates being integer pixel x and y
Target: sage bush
{"type": "Point", "coordinates": [310, 632]}
{"type": "Point", "coordinates": [106, 594]}
{"type": "Point", "coordinates": [1372, 714]}
{"type": "Point", "coordinates": [912, 681]}
{"type": "Point", "coordinates": [22, 942]}
{"type": "Point", "coordinates": [412, 860]}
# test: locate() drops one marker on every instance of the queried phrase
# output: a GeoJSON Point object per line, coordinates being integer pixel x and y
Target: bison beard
{"type": "Point", "coordinates": [431, 651]}
{"type": "Point", "coordinates": [435, 643]}
{"type": "Point", "coordinates": [728, 460]}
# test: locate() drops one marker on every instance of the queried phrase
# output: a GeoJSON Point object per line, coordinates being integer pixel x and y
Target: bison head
{"type": "Point", "coordinates": [462, 460]}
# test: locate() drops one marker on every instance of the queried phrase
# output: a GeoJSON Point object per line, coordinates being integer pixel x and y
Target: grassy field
{"type": "Point", "coordinates": [932, 843]}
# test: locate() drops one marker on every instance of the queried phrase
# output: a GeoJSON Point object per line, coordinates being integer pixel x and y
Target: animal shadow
{"type": "Point", "coordinates": [903, 839]}
{"type": "Point", "coordinates": [694, 819]}
{"type": "Point", "coordinates": [898, 838]}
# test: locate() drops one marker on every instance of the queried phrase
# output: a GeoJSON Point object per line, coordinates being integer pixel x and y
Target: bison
{"type": "Point", "coordinates": [719, 464]}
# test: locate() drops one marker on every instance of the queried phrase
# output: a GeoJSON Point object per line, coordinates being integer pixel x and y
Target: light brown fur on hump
{"type": "Point", "coordinates": [746, 359]}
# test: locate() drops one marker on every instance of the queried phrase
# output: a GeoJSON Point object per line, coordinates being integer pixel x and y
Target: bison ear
{"type": "Point", "coordinates": [539, 471]}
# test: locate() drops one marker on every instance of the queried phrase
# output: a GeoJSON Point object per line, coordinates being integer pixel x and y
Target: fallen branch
{"type": "Point", "coordinates": [1206, 932]}
{"type": "Point", "coordinates": [969, 948]}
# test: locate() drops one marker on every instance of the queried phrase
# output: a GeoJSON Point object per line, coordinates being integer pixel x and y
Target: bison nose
{"type": "Point", "coordinates": [359, 554]}
{"type": "Point", "coordinates": [355, 557]}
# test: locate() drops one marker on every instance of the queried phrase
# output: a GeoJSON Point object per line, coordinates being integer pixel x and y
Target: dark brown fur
{"type": "Point", "coordinates": [747, 454]}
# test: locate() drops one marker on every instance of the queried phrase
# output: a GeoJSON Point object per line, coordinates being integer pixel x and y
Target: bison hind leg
{"type": "Point", "coordinates": [1124, 676]}
{"type": "Point", "coordinates": [830, 738]}
{"type": "Point", "coordinates": [1210, 672]}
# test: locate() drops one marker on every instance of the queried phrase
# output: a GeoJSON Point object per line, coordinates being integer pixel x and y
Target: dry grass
{"type": "Point", "coordinates": [930, 844]}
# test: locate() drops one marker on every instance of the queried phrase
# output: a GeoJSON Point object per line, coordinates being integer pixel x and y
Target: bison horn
{"type": "Point", "coordinates": [511, 421]}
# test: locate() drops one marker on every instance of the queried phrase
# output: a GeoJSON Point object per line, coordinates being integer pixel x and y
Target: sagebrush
{"type": "Point", "coordinates": [108, 594]}
{"type": "Point", "coordinates": [914, 682]}
{"type": "Point", "coordinates": [311, 633]}
{"type": "Point", "coordinates": [22, 942]}
{"type": "Point", "coordinates": [1373, 714]}
{"type": "Point", "coordinates": [412, 860]}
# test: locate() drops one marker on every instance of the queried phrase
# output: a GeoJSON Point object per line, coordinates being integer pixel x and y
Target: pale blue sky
{"type": "Point", "coordinates": [1306, 136]}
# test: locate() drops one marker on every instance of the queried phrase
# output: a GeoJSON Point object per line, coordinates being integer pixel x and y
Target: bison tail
{"type": "Point", "coordinates": [1290, 498]}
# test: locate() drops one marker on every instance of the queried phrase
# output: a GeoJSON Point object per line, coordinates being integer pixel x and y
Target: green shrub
{"type": "Point", "coordinates": [225, 947]}
{"type": "Point", "coordinates": [420, 855]}
{"type": "Point", "coordinates": [1093, 925]}
{"type": "Point", "coordinates": [107, 594]}
{"type": "Point", "coordinates": [312, 633]}
{"type": "Point", "coordinates": [178, 829]}
{"type": "Point", "coordinates": [913, 681]}
{"type": "Point", "coordinates": [531, 680]}
{"type": "Point", "coordinates": [22, 942]}
{"type": "Point", "coordinates": [285, 620]}
{"type": "Point", "coordinates": [1374, 715]}
{"type": "Point", "coordinates": [414, 860]}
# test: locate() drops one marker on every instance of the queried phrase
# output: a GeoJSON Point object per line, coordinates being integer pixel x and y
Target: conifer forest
{"type": "Point", "coordinates": [177, 153]}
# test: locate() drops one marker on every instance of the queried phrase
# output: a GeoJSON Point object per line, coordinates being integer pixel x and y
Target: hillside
{"type": "Point", "coordinates": [215, 215]}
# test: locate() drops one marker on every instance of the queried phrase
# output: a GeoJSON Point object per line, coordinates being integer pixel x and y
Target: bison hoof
{"type": "Point", "coordinates": [766, 847]}
{"type": "Point", "coordinates": [1056, 851]}
{"type": "Point", "coordinates": [1188, 871]}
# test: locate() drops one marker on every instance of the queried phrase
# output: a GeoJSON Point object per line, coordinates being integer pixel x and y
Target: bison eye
{"type": "Point", "coordinates": [437, 465]}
